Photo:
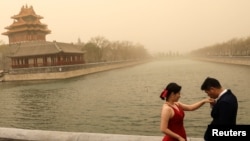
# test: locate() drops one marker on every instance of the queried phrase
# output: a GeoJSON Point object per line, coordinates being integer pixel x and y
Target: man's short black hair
{"type": "Point", "coordinates": [210, 82]}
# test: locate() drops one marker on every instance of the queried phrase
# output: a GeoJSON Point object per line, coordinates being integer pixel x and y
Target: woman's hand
{"type": "Point", "coordinates": [209, 100]}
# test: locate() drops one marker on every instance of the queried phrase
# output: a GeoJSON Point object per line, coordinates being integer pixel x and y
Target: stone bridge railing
{"type": "Point", "coordinates": [14, 134]}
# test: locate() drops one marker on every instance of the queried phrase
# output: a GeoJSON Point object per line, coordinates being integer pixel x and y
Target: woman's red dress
{"type": "Point", "coordinates": [175, 124]}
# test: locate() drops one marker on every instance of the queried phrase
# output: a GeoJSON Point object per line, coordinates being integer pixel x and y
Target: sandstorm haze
{"type": "Point", "coordinates": [159, 25]}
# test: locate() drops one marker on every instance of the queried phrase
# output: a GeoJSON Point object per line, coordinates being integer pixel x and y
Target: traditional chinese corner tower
{"type": "Point", "coordinates": [29, 48]}
{"type": "Point", "coordinates": [26, 27]}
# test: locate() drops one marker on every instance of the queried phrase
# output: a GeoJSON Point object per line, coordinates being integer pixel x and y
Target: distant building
{"type": "Point", "coordinates": [29, 48]}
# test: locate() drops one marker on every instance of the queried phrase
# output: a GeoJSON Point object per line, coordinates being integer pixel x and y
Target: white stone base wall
{"type": "Point", "coordinates": [66, 74]}
{"type": "Point", "coordinates": [41, 135]}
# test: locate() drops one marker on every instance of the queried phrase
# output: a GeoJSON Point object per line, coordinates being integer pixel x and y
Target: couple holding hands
{"type": "Point", "coordinates": [223, 103]}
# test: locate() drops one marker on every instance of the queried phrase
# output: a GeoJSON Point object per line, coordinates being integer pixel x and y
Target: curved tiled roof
{"type": "Point", "coordinates": [26, 20]}
{"type": "Point", "coordinates": [27, 11]}
{"type": "Point", "coordinates": [39, 48]}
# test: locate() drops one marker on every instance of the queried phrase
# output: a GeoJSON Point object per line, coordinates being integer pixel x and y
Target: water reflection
{"type": "Point", "coordinates": [35, 107]}
{"type": "Point", "coordinates": [123, 101]}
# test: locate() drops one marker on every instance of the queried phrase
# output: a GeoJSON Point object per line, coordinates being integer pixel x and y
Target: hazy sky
{"type": "Point", "coordinates": [159, 25]}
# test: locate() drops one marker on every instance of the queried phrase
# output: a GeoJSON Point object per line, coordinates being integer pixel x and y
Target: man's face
{"type": "Point", "coordinates": [211, 92]}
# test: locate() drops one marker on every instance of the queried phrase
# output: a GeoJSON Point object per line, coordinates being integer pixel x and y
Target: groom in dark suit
{"type": "Point", "coordinates": [224, 109]}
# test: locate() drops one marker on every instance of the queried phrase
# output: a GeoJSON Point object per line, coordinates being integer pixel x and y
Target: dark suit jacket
{"type": "Point", "coordinates": [224, 112]}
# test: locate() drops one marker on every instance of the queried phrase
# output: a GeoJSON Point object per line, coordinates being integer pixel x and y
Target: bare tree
{"type": "Point", "coordinates": [233, 47]}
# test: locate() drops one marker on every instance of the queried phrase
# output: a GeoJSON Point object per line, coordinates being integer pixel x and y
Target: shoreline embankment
{"type": "Point", "coordinates": [16, 134]}
{"type": "Point", "coordinates": [64, 72]}
{"type": "Point", "coordinates": [236, 60]}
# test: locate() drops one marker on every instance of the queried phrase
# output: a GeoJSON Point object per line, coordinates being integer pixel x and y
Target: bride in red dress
{"type": "Point", "coordinates": [172, 113]}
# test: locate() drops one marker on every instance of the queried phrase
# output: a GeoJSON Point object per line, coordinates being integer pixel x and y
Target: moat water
{"type": "Point", "coordinates": [120, 101]}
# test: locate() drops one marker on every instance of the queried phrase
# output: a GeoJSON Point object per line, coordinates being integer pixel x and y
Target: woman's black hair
{"type": "Point", "coordinates": [170, 88]}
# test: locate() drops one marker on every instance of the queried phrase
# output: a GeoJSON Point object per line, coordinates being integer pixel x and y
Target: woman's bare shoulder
{"type": "Point", "coordinates": [166, 107]}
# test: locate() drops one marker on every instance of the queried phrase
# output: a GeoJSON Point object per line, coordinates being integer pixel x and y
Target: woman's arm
{"type": "Point", "coordinates": [166, 114]}
{"type": "Point", "coordinates": [196, 105]}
